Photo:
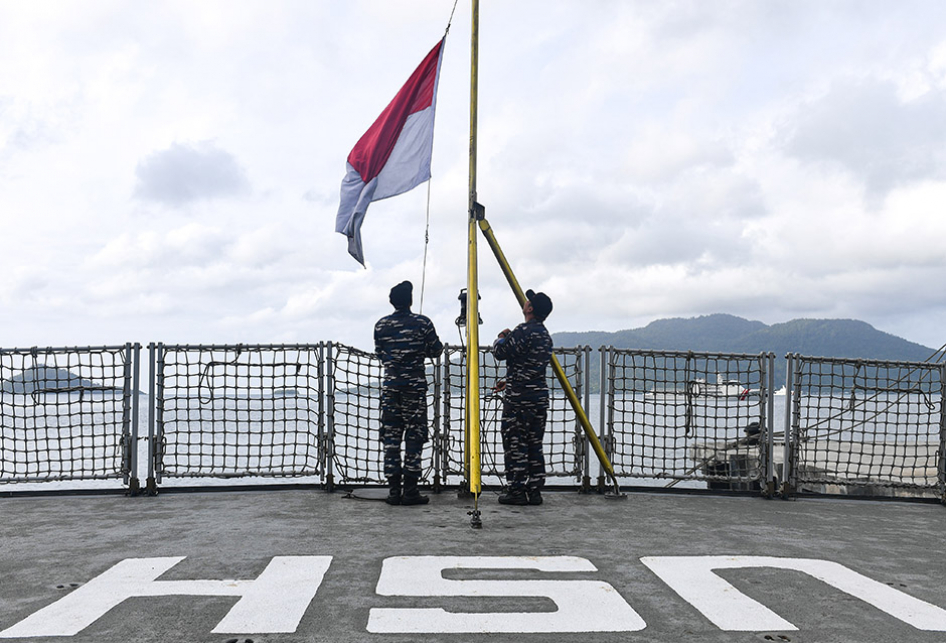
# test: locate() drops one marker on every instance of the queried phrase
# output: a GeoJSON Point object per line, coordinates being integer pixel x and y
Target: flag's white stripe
{"type": "Point", "coordinates": [409, 163]}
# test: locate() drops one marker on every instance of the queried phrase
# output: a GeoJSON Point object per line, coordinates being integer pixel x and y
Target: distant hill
{"type": "Point", "coordinates": [45, 379]}
{"type": "Point", "coordinates": [730, 334]}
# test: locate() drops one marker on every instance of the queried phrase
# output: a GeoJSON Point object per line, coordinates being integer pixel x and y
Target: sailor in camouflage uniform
{"type": "Point", "coordinates": [526, 350]}
{"type": "Point", "coordinates": [402, 340]}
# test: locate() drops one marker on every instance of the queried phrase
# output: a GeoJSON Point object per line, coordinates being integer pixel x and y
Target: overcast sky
{"type": "Point", "coordinates": [170, 171]}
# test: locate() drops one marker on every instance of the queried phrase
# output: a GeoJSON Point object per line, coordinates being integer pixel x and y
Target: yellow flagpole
{"type": "Point", "coordinates": [472, 309]}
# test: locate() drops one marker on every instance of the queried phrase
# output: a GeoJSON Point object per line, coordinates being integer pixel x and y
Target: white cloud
{"type": "Point", "coordinates": [866, 128]}
{"type": "Point", "coordinates": [189, 172]}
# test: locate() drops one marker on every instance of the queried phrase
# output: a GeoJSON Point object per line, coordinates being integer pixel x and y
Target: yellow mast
{"type": "Point", "coordinates": [477, 219]}
{"type": "Point", "coordinates": [472, 296]}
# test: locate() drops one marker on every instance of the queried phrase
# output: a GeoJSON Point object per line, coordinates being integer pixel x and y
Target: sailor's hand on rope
{"type": "Point", "coordinates": [500, 386]}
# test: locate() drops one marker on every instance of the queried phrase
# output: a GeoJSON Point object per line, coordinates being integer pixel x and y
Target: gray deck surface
{"type": "Point", "coordinates": [47, 542]}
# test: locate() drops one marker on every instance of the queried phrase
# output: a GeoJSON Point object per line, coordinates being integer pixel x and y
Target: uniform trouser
{"type": "Point", "coordinates": [403, 418]}
{"type": "Point", "coordinates": [523, 427]}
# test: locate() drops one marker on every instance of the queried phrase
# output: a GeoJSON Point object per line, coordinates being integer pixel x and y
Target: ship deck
{"type": "Point", "coordinates": [665, 568]}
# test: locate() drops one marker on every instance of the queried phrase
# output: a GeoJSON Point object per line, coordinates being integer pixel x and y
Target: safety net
{"type": "Point", "coordinates": [66, 413]}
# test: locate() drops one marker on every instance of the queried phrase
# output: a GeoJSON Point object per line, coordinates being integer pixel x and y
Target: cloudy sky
{"type": "Point", "coordinates": [170, 171]}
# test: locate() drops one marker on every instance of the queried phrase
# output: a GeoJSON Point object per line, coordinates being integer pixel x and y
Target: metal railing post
{"type": "Point", "coordinates": [152, 482]}
{"type": "Point", "coordinates": [446, 414]}
{"type": "Point", "coordinates": [942, 434]}
{"type": "Point", "coordinates": [321, 425]}
{"type": "Point", "coordinates": [330, 419]}
{"type": "Point", "coordinates": [134, 486]}
{"type": "Point", "coordinates": [435, 442]}
{"type": "Point", "coordinates": [604, 390]}
{"type": "Point", "coordinates": [125, 440]}
{"type": "Point", "coordinates": [582, 439]}
{"type": "Point", "coordinates": [769, 488]}
{"type": "Point", "coordinates": [788, 479]}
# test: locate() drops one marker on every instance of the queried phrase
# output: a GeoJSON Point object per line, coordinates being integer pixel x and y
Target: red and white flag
{"type": "Point", "coordinates": [393, 156]}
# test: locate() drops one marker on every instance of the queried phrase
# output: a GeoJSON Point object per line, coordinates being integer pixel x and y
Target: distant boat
{"type": "Point", "coordinates": [701, 388]}
{"type": "Point", "coordinates": [781, 391]}
{"type": "Point", "coordinates": [721, 388]}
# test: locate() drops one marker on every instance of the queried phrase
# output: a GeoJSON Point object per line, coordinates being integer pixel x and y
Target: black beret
{"type": "Point", "coordinates": [402, 294]}
{"type": "Point", "coordinates": [541, 304]}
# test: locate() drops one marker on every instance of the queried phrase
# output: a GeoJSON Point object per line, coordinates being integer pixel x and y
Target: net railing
{"type": "Point", "coordinates": [355, 416]}
{"type": "Point", "coordinates": [68, 413]}
{"type": "Point", "coordinates": [563, 444]}
{"type": "Point", "coordinates": [665, 418]}
{"type": "Point", "coordinates": [866, 427]}
{"type": "Point", "coordinates": [683, 417]}
{"type": "Point", "coordinates": [228, 411]}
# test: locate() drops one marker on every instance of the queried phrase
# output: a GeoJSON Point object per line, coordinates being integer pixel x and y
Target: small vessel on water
{"type": "Point", "coordinates": [699, 387]}
{"type": "Point", "coordinates": [721, 388]}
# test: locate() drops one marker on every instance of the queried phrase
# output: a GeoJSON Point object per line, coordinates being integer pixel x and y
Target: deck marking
{"type": "Point", "coordinates": [583, 605]}
{"type": "Point", "coordinates": [274, 602]}
{"type": "Point", "coordinates": [729, 609]}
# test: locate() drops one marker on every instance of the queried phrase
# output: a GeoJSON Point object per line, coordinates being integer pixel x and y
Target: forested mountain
{"type": "Point", "coordinates": [731, 334]}
{"type": "Point", "coordinates": [722, 333]}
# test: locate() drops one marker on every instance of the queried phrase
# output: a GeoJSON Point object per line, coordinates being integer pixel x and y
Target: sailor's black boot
{"type": "Point", "coordinates": [394, 490]}
{"type": "Point", "coordinates": [411, 494]}
{"type": "Point", "coordinates": [514, 497]}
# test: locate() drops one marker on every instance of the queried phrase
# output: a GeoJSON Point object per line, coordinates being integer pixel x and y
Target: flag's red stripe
{"type": "Point", "coordinates": [373, 149]}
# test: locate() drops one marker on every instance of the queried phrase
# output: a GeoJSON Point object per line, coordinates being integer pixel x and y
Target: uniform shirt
{"type": "Point", "coordinates": [402, 340]}
{"type": "Point", "coordinates": [526, 351]}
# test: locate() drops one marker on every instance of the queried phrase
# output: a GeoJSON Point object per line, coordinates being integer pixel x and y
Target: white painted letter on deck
{"type": "Point", "coordinates": [693, 579]}
{"type": "Point", "coordinates": [274, 602]}
{"type": "Point", "coordinates": [583, 605]}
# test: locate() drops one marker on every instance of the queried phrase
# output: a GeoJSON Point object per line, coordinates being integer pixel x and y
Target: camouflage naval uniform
{"type": "Point", "coordinates": [526, 351]}
{"type": "Point", "coordinates": [402, 340]}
